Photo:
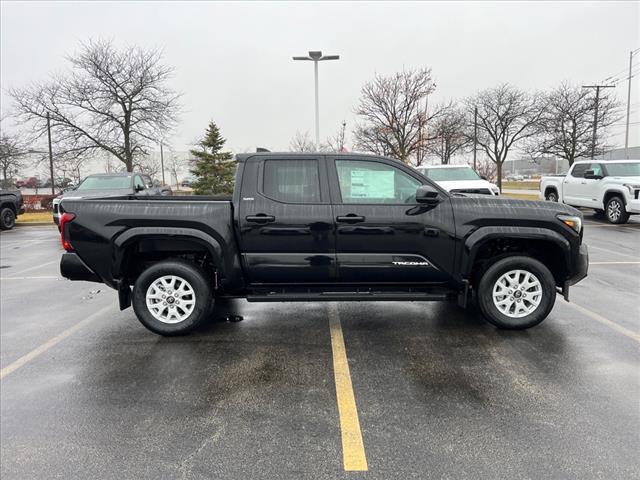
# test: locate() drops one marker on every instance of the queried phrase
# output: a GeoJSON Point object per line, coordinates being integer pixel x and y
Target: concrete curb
{"type": "Point", "coordinates": [34, 224]}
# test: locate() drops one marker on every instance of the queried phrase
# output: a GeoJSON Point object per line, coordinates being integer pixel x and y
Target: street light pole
{"type": "Point", "coordinates": [315, 57]}
{"type": "Point", "coordinates": [626, 132]}
{"type": "Point", "coordinates": [162, 163]}
{"type": "Point", "coordinates": [53, 181]}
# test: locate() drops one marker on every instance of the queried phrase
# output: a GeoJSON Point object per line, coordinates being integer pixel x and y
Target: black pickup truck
{"type": "Point", "coordinates": [311, 227]}
{"type": "Point", "coordinates": [11, 205]}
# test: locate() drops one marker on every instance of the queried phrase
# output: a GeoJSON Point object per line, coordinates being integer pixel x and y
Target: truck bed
{"type": "Point", "coordinates": [102, 226]}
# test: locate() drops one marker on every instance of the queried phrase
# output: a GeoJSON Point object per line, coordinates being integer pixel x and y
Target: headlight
{"type": "Point", "coordinates": [571, 221]}
{"type": "Point", "coordinates": [631, 187]}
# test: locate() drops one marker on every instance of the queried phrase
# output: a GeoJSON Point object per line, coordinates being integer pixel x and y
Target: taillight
{"type": "Point", "coordinates": [64, 219]}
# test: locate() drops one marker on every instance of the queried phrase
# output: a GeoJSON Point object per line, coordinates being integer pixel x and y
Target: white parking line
{"type": "Point", "coordinates": [30, 269]}
{"type": "Point", "coordinates": [12, 367]}
{"type": "Point", "coordinates": [605, 321]}
{"type": "Point", "coordinates": [613, 252]}
{"type": "Point", "coordinates": [44, 277]}
{"type": "Point", "coordinates": [614, 263]}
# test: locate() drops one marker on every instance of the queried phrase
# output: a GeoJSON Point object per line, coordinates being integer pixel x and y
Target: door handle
{"type": "Point", "coordinates": [260, 218]}
{"type": "Point", "coordinates": [350, 218]}
{"type": "Point", "coordinates": [583, 183]}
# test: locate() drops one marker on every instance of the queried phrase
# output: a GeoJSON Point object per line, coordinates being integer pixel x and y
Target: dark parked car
{"type": "Point", "coordinates": [10, 207]}
{"type": "Point", "coordinates": [109, 184]}
{"type": "Point", "coordinates": [315, 227]}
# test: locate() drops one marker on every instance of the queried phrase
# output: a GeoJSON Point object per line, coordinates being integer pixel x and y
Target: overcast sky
{"type": "Point", "coordinates": [233, 60]}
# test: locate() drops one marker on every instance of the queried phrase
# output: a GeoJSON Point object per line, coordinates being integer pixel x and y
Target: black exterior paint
{"type": "Point", "coordinates": [259, 244]}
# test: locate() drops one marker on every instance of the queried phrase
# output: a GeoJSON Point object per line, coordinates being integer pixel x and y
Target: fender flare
{"type": "Point", "coordinates": [484, 234]}
{"type": "Point", "coordinates": [136, 234]}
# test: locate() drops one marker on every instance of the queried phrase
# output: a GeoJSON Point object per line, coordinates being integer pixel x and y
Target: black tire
{"type": "Point", "coordinates": [551, 196]}
{"type": "Point", "coordinates": [7, 219]}
{"type": "Point", "coordinates": [195, 277]}
{"type": "Point", "coordinates": [615, 210]}
{"type": "Point", "coordinates": [489, 278]}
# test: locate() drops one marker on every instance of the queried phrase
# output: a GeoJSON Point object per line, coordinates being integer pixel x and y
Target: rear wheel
{"type": "Point", "coordinates": [516, 293]}
{"type": "Point", "coordinates": [7, 219]}
{"type": "Point", "coordinates": [615, 210]}
{"type": "Point", "coordinates": [172, 297]}
{"type": "Point", "coordinates": [551, 196]}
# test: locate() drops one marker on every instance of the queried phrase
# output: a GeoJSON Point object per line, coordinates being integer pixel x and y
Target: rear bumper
{"type": "Point", "coordinates": [73, 268]}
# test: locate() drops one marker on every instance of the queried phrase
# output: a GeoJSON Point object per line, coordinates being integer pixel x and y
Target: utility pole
{"type": "Point", "coordinates": [626, 132]}
{"type": "Point", "coordinates": [53, 181]}
{"type": "Point", "coordinates": [595, 115]}
{"type": "Point", "coordinates": [162, 163]}
{"type": "Point", "coordinates": [475, 137]}
{"type": "Point", "coordinates": [315, 57]}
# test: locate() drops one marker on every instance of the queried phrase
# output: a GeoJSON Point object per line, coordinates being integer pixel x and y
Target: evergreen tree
{"type": "Point", "coordinates": [214, 169]}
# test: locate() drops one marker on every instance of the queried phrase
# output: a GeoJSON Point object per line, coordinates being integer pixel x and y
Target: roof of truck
{"type": "Point", "coordinates": [242, 157]}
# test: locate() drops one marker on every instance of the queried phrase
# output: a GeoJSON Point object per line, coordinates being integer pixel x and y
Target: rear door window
{"type": "Point", "coordinates": [292, 181]}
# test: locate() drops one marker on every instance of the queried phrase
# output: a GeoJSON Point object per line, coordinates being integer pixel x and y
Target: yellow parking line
{"type": "Point", "coordinates": [12, 367]}
{"type": "Point", "coordinates": [605, 321]}
{"type": "Point", "coordinates": [353, 454]}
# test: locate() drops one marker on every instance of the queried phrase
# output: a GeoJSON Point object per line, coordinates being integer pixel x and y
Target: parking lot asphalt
{"type": "Point", "coordinates": [87, 392]}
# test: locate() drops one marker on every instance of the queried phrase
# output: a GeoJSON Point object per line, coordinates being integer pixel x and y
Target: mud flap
{"type": "Point", "coordinates": [124, 296]}
{"type": "Point", "coordinates": [463, 296]}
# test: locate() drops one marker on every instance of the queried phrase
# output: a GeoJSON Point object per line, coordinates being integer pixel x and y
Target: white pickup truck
{"type": "Point", "coordinates": [609, 187]}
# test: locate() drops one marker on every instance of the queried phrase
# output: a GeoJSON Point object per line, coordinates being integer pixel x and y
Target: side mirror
{"type": "Point", "coordinates": [427, 194]}
{"type": "Point", "coordinates": [139, 188]}
{"type": "Point", "coordinates": [589, 174]}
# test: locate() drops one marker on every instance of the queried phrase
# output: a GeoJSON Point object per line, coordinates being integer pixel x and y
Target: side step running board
{"type": "Point", "coordinates": [350, 296]}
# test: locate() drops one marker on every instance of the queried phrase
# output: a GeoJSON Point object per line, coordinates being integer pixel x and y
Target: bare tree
{"type": "Point", "coordinates": [175, 165]}
{"type": "Point", "coordinates": [116, 100]}
{"type": "Point", "coordinates": [486, 169]}
{"type": "Point", "coordinates": [393, 113]}
{"type": "Point", "coordinates": [567, 124]}
{"type": "Point", "coordinates": [302, 142]}
{"type": "Point", "coordinates": [337, 142]}
{"type": "Point", "coordinates": [147, 164]}
{"type": "Point", "coordinates": [12, 156]}
{"type": "Point", "coordinates": [506, 116]}
{"type": "Point", "coordinates": [448, 133]}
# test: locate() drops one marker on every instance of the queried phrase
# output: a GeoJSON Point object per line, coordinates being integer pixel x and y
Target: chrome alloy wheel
{"type": "Point", "coordinates": [614, 210]}
{"type": "Point", "coordinates": [517, 293]}
{"type": "Point", "coordinates": [170, 299]}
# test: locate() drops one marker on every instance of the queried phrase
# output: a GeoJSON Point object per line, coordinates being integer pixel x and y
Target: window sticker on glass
{"type": "Point", "coordinates": [372, 184]}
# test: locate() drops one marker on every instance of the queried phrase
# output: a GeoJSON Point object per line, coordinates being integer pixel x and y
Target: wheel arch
{"type": "Point", "coordinates": [487, 244]}
{"type": "Point", "coordinates": [612, 192]}
{"type": "Point", "coordinates": [151, 244]}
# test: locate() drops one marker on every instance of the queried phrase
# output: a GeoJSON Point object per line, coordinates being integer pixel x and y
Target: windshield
{"type": "Point", "coordinates": [447, 174]}
{"type": "Point", "coordinates": [623, 169]}
{"type": "Point", "coordinates": [105, 183]}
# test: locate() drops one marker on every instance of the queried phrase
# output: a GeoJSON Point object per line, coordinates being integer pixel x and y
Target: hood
{"type": "Point", "coordinates": [487, 209]}
{"type": "Point", "coordinates": [466, 184]}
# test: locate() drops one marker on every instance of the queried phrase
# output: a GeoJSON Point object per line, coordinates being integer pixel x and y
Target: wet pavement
{"type": "Point", "coordinates": [439, 393]}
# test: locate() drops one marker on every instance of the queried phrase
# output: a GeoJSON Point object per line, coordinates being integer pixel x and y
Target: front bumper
{"type": "Point", "coordinates": [633, 206]}
{"type": "Point", "coordinates": [73, 268]}
{"type": "Point", "coordinates": [581, 265]}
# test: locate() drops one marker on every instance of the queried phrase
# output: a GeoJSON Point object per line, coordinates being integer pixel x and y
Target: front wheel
{"type": "Point", "coordinates": [616, 211]}
{"type": "Point", "coordinates": [516, 293]}
{"type": "Point", "coordinates": [172, 297]}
